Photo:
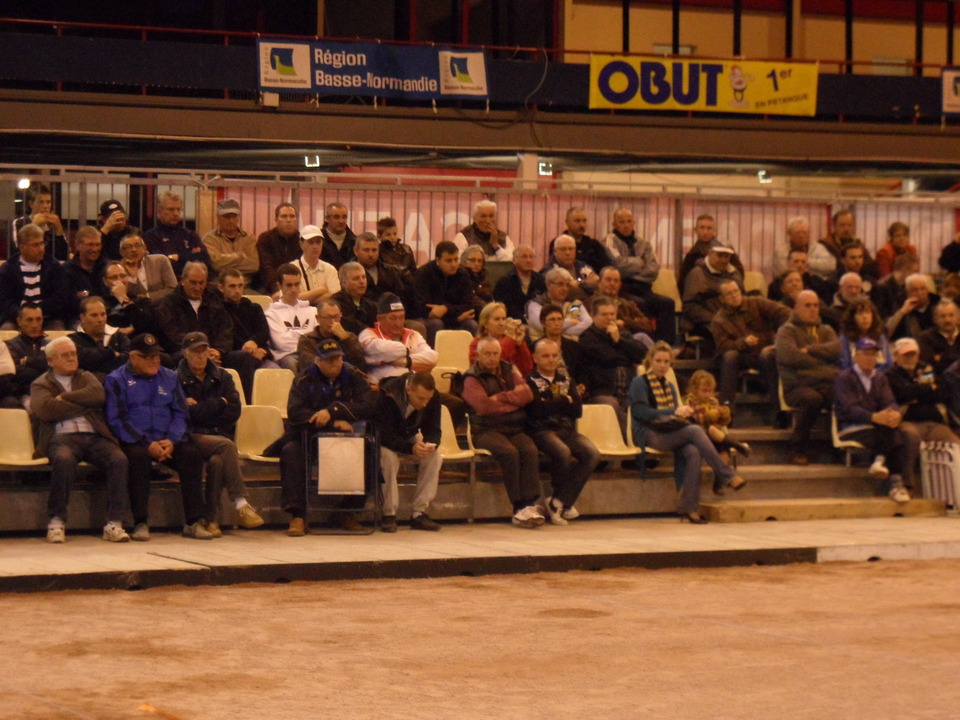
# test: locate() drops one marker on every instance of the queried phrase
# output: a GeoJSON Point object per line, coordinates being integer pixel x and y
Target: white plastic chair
{"type": "Point", "coordinates": [17, 447]}
{"type": "Point", "coordinates": [271, 386]}
{"type": "Point", "coordinates": [600, 425]}
{"type": "Point", "coordinates": [451, 452]}
{"type": "Point", "coordinates": [847, 446]}
{"type": "Point", "coordinates": [453, 348]}
{"type": "Point", "coordinates": [443, 383]}
{"type": "Point", "coordinates": [236, 381]}
{"type": "Point", "coordinates": [263, 301]}
{"type": "Point", "coordinates": [754, 281]}
{"type": "Point", "coordinates": [257, 428]}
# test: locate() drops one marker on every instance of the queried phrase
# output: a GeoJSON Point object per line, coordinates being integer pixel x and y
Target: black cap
{"type": "Point", "coordinates": [328, 349]}
{"type": "Point", "coordinates": [388, 303]}
{"type": "Point", "coordinates": [146, 344]}
{"type": "Point", "coordinates": [191, 341]}
{"type": "Point", "coordinates": [110, 207]}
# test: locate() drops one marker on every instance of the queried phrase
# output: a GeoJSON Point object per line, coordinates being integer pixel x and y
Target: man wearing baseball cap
{"type": "Point", "coordinates": [229, 246]}
{"type": "Point", "coordinates": [701, 292]}
{"type": "Point", "coordinates": [214, 406]}
{"type": "Point", "coordinates": [390, 348]}
{"type": "Point", "coordinates": [329, 396]}
{"type": "Point", "coordinates": [147, 411]}
{"type": "Point", "coordinates": [114, 226]}
{"type": "Point", "coordinates": [866, 412]}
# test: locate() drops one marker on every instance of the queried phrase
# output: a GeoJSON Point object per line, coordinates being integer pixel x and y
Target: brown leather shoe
{"type": "Point", "coordinates": [389, 524]}
{"type": "Point", "coordinates": [298, 528]}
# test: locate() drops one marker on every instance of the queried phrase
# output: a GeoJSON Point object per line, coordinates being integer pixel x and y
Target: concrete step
{"type": "Point", "coordinates": [818, 509]}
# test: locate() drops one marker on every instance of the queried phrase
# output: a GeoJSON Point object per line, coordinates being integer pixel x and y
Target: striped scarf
{"type": "Point", "coordinates": [661, 391]}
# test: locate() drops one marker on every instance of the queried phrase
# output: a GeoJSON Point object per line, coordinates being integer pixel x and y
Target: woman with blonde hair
{"type": "Point", "coordinates": [509, 332]}
{"type": "Point", "coordinates": [661, 422]}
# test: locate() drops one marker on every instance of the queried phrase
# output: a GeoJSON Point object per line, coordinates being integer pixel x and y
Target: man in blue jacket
{"type": "Point", "coordinates": [147, 411]}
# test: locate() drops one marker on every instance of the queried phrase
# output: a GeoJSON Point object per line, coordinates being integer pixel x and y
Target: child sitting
{"type": "Point", "coordinates": [711, 415]}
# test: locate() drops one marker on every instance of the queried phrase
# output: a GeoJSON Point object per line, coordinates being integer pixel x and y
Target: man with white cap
{"type": "Point", "coordinates": [866, 412]}
{"type": "Point", "coordinates": [279, 245]}
{"type": "Point", "coordinates": [229, 246]}
{"type": "Point", "coordinates": [701, 291]}
{"type": "Point", "coordinates": [390, 348]}
{"type": "Point", "coordinates": [918, 391]}
{"type": "Point", "coordinates": [319, 279]}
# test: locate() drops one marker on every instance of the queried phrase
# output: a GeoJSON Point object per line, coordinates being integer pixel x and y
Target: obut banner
{"type": "Point", "coordinates": [650, 83]}
{"type": "Point", "coordinates": [391, 71]}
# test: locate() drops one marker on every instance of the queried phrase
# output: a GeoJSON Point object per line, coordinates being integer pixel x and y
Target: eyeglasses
{"type": "Point", "coordinates": [331, 317]}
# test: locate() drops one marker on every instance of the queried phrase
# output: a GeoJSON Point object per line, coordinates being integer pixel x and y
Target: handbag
{"type": "Point", "coordinates": [668, 423]}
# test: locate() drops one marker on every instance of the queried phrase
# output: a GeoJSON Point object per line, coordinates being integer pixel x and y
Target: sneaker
{"type": "Point", "coordinates": [141, 532]}
{"type": "Point", "coordinates": [899, 494]}
{"type": "Point", "coordinates": [197, 531]}
{"type": "Point", "coordinates": [423, 522]}
{"type": "Point", "coordinates": [570, 513]}
{"type": "Point", "coordinates": [248, 518]}
{"type": "Point", "coordinates": [389, 524]}
{"type": "Point", "coordinates": [298, 528]}
{"type": "Point", "coordinates": [879, 471]}
{"type": "Point", "coordinates": [114, 532]}
{"type": "Point", "coordinates": [553, 513]}
{"type": "Point", "coordinates": [56, 534]}
{"type": "Point", "coordinates": [213, 527]}
{"type": "Point", "coordinates": [529, 517]}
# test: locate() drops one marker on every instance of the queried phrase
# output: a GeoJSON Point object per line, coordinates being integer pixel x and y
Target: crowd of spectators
{"type": "Point", "coordinates": [356, 319]}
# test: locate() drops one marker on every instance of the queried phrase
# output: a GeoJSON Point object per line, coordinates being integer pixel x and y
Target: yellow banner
{"type": "Point", "coordinates": [651, 83]}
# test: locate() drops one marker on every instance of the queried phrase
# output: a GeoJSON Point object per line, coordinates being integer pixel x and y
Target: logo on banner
{"type": "Point", "coordinates": [462, 73]}
{"type": "Point", "coordinates": [285, 65]}
{"type": "Point", "coordinates": [950, 82]}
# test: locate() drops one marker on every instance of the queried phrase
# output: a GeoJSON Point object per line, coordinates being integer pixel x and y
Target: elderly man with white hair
{"type": "Point", "coordinates": [565, 256]}
{"type": "Point", "coordinates": [483, 231]}
{"type": "Point", "coordinates": [68, 402]}
{"type": "Point", "coordinates": [576, 318]}
{"type": "Point", "coordinates": [916, 313]}
{"type": "Point", "coordinates": [918, 391]}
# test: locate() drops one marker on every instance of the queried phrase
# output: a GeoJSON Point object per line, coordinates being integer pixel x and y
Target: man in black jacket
{"type": "Point", "coordinates": [613, 358]}
{"type": "Point", "coordinates": [214, 407]}
{"type": "Point", "coordinates": [444, 293]}
{"type": "Point", "coordinates": [32, 277]}
{"type": "Point", "coordinates": [98, 353]}
{"type": "Point", "coordinates": [520, 285]}
{"type": "Point", "coordinates": [192, 307]}
{"type": "Point", "coordinates": [26, 351]}
{"type": "Point", "coordinates": [251, 333]}
{"type": "Point", "coordinates": [408, 416]}
{"type": "Point", "coordinates": [328, 396]}
{"type": "Point", "coordinates": [552, 423]}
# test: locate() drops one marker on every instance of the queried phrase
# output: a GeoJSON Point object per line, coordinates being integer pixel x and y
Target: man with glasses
{"type": "Point", "coordinates": [127, 310]}
{"type": "Point", "coordinates": [576, 319]}
{"type": "Point", "coordinates": [32, 277]}
{"type": "Point", "coordinates": [147, 410]}
{"type": "Point", "coordinates": [68, 404]}
{"type": "Point", "coordinates": [329, 327]}
{"type": "Point", "coordinates": [151, 276]}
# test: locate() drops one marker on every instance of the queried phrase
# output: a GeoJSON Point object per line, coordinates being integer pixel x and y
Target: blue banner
{"type": "Point", "coordinates": [365, 68]}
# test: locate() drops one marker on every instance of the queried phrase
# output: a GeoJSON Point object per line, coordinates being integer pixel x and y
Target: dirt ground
{"type": "Point", "coordinates": [872, 640]}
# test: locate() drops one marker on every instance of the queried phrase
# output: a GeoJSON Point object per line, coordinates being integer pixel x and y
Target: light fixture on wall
{"type": "Point", "coordinates": [23, 183]}
{"type": "Point", "coordinates": [763, 178]}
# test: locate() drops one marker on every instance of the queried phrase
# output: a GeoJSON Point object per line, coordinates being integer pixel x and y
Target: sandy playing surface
{"type": "Point", "coordinates": [874, 640]}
